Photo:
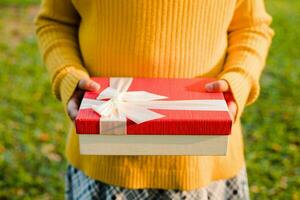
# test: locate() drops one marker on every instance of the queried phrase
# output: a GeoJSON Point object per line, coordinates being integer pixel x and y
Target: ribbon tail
{"type": "Point", "coordinates": [137, 113]}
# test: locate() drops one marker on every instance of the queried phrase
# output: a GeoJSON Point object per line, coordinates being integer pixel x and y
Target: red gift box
{"type": "Point", "coordinates": [174, 122]}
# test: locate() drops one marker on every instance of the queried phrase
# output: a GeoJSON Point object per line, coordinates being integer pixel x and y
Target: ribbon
{"type": "Point", "coordinates": [135, 105]}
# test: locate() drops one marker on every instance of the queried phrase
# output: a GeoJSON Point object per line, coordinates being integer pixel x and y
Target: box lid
{"type": "Point", "coordinates": [175, 122]}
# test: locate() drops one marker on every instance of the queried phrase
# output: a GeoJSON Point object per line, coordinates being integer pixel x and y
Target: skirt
{"type": "Point", "coordinates": [81, 187]}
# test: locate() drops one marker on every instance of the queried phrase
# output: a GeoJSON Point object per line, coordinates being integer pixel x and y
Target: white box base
{"type": "Point", "coordinates": [204, 145]}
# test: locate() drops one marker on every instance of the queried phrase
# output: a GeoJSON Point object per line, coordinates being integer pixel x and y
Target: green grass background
{"type": "Point", "coordinates": [33, 125]}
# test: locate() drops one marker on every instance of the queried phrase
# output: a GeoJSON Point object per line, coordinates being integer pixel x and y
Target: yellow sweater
{"type": "Point", "coordinates": [227, 39]}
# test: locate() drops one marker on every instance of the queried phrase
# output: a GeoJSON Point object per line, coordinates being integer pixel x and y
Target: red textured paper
{"type": "Point", "coordinates": [175, 122]}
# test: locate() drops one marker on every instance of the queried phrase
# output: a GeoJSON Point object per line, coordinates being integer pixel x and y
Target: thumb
{"type": "Point", "coordinates": [88, 84]}
{"type": "Point", "coordinates": [217, 86]}
{"type": "Point", "coordinates": [232, 107]}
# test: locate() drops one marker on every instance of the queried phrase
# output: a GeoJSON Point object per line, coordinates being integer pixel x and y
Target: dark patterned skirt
{"type": "Point", "coordinates": [81, 187]}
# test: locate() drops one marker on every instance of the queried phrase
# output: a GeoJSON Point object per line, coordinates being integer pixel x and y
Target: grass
{"type": "Point", "coordinates": [272, 125]}
{"type": "Point", "coordinates": [18, 2]}
{"type": "Point", "coordinates": [32, 128]}
{"type": "Point", "coordinates": [33, 125]}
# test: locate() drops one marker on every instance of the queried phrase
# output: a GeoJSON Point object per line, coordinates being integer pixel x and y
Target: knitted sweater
{"type": "Point", "coordinates": [226, 39]}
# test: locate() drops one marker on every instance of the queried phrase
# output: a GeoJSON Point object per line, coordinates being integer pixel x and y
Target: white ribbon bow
{"type": "Point", "coordinates": [135, 105]}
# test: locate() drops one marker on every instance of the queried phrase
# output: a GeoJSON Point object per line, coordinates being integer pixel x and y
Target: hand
{"type": "Point", "coordinates": [222, 86]}
{"type": "Point", "coordinates": [74, 102]}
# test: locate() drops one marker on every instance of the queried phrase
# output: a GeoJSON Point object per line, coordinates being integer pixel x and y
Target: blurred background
{"type": "Point", "coordinates": [33, 125]}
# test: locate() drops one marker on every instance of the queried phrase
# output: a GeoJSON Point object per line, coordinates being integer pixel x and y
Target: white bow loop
{"type": "Point", "coordinates": [126, 102]}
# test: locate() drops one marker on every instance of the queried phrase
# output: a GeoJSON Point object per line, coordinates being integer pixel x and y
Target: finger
{"type": "Point", "coordinates": [78, 95]}
{"type": "Point", "coordinates": [232, 109]}
{"type": "Point", "coordinates": [217, 86]}
{"type": "Point", "coordinates": [74, 102]}
{"type": "Point", "coordinates": [72, 108]}
{"type": "Point", "coordinates": [88, 84]}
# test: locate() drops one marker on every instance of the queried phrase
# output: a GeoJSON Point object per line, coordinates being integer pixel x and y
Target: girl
{"type": "Point", "coordinates": [225, 39]}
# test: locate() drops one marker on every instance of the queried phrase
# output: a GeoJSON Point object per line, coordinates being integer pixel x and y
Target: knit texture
{"type": "Point", "coordinates": [226, 39]}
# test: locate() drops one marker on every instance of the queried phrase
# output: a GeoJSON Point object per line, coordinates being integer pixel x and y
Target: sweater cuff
{"type": "Point", "coordinates": [240, 86]}
{"type": "Point", "coordinates": [66, 82]}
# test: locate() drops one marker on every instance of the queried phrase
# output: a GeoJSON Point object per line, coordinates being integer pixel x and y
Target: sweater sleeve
{"type": "Point", "coordinates": [57, 33]}
{"type": "Point", "coordinates": [249, 38]}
